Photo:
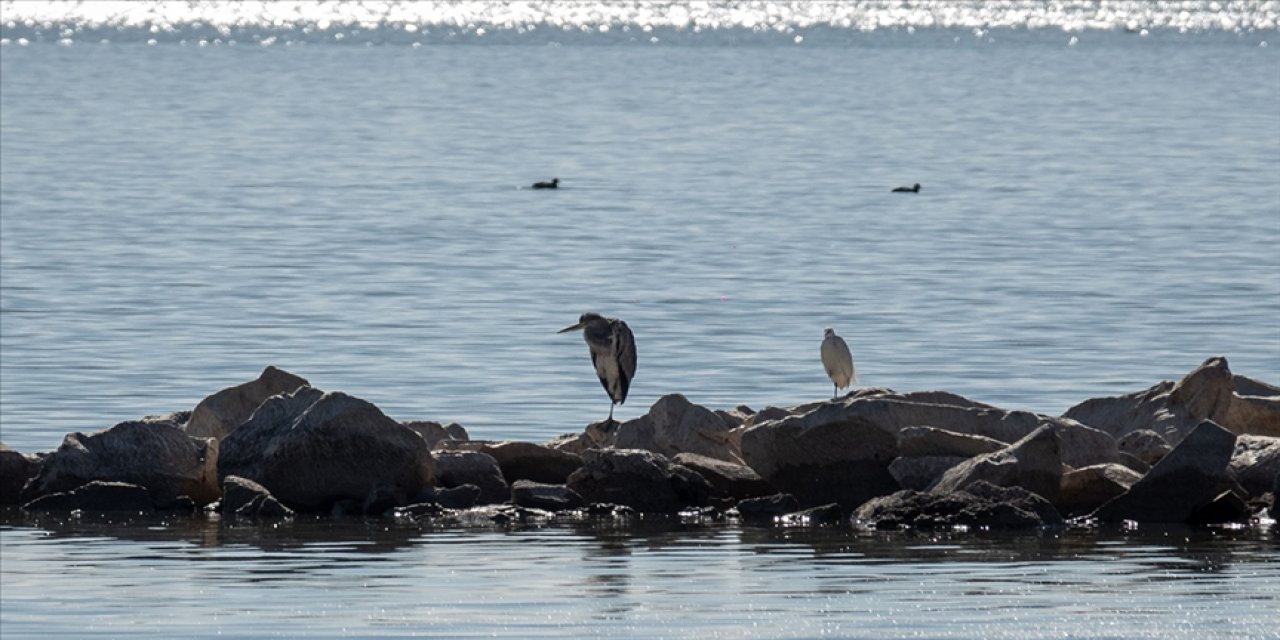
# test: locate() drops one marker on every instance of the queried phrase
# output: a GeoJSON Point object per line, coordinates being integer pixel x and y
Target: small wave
{"type": "Point", "coordinates": [390, 22]}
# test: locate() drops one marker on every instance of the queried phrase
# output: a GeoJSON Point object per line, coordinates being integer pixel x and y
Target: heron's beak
{"type": "Point", "coordinates": [573, 328]}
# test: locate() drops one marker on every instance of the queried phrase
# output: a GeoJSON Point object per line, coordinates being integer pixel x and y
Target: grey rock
{"type": "Point", "coordinates": [454, 468]}
{"type": "Point", "coordinates": [529, 461]}
{"type": "Point", "coordinates": [1084, 490]}
{"type": "Point", "coordinates": [727, 479]}
{"type": "Point", "coordinates": [312, 449]}
{"type": "Point", "coordinates": [242, 497]}
{"type": "Point", "coordinates": [16, 469]}
{"type": "Point", "coordinates": [919, 442]}
{"type": "Point", "coordinates": [1132, 461]}
{"type": "Point", "coordinates": [674, 425]}
{"type": "Point", "coordinates": [981, 505]}
{"type": "Point", "coordinates": [767, 508]}
{"type": "Point", "coordinates": [1226, 507]}
{"type": "Point", "coordinates": [435, 433]}
{"type": "Point", "coordinates": [156, 455]}
{"type": "Point", "coordinates": [821, 515]}
{"type": "Point", "coordinates": [1145, 445]}
{"type": "Point", "coordinates": [1033, 463]}
{"type": "Point", "coordinates": [549, 497]}
{"type": "Point", "coordinates": [96, 496]}
{"type": "Point", "coordinates": [220, 414]}
{"type": "Point", "coordinates": [574, 443]}
{"type": "Point", "coordinates": [1187, 479]}
{"type": "Point", "coordinates": [1274, 511]}
{"type": "Point", "coordinates": [921, 473]}
{"type": "Point", "coordinates": [1255, 463]}
{"type": "Point", "coordinates": [642, 480]}
{"type": "Point", "coordinates": [463, 496]}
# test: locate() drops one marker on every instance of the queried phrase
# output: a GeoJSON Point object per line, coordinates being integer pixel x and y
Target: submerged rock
{"type": "Point", "coordinates": [154, 454]}
{"type": "Point", "coordinates": [312, 449]}
{"type": "Point", "coordinates": [982, 505]}
{"type": "Point", "coordinates": [548, 497]}
{"type": "Point", "coordinates": [245, 498]}
{"type": "Point", "coordinates": [96, 496]}
{"type": "Point", "coordinates": [1187, 479]}
{"type": "Point", "coordinates": [1211, 392]}
{"type": "Point", "coordinates": [639, 479]}
{"type": "Point", "coordinates": [16, 469]}
{"type": "Point", "coordinates": [1033, 463]}
{"type": "Point", "coordinates": [220, 414]}
{"type": "Point", "coordinates": [767, 508]}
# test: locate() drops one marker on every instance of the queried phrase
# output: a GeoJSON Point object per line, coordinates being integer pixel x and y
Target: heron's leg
{"type": "Point", "coordinates": [611, 412]}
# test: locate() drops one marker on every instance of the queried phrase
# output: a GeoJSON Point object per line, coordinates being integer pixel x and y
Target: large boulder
{"type": "Point", "coordinates": [639, 479]}
{"type": "Point", "coordinates": [220, 414]}
{"type": "Point", "coordinates": [15, 470]}
{"type": "Point", "coordinates": [1033, 463]}
{"type": "Point", "coordinates": [1084, 490]}
{"type": "Point", "coordinates": [152, 453]}
{"type": "Point", "coordinates": [1211, 392]}
{"type": "Point", "coordinates": [919, 442]}
{"type": "Point", "coordinates": [923, 472]}
{"type": "Point", "coordinates": [456, 468]}
{"type": "Point", "coordinates": [1255, 463]}
{"type": "Point", "coordinates": [981, 505]}
{"type": "Point", "coordinates": [727, 479]}
{"type": "Point", "coordinates": [1188, 479]}
{"type": "Point", "coordinates": [311, 449]}
{"type": "Point", "coordinates": [529, 461]}
{"type": "Point", "coordinates": [674, 425]}
{"type": "Point", "coordinates": [97, 497]}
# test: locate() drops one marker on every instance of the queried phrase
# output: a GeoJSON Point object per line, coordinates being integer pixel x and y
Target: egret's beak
{"type": "Point", "coordinates": [573, 328]}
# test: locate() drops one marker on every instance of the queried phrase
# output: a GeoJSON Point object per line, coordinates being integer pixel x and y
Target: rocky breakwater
{"type": "Point", "coordinates": [874, 457]}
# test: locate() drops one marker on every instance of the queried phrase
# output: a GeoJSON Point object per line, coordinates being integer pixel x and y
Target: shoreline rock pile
{"type": "Point", "coordinates": [1204, 450]}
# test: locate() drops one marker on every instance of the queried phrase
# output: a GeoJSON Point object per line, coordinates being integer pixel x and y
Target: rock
{"type": "Point", "coordinates": [830, 454]}
{"type": "Point", "coordinates": [454, 468]}
{"type": "Point", "coordinates": [312, 449]}
{"type": "Point", "coordinates": [1187, 479]}
{"type": "Point", "coordinates": [982, 505]}
{"type": "Point", "coordinates": [574, 443]}
{"type": "Point", "coordinates": [674, 426]}
{"type": "Point", "coordinates": [1131, 461]}
{"type": "Point", "coordinates": [1275, 498]}
{"type": "Point", "coordinates": [767, 508]}
{"type": "Point", "coordinates": [727, 479]}
{"type": "Point", "coordinates": [435, 433]}
{"type": "Point", "coordinates": [156, 455]}
{"type": "Point", "coordinates": [529, 461]}
{"type": "Point", "coordinates": [220, 414]}
{"type": "Point", "coordinates": [549, 497]}
{"type": "Point", "coordinates": [1255, 463]}
{"type": "Point", "coordinates": [96, 496]}
{"type": "Point", "coordinates": [1210, 392]}
{"type": "Point", "coordinates": [1033, 463]}
{"type": "Point", "coordinates": [825, 514]}
{"type": "Point", "coordinates": [15, 470]}
{"type": "Point", "coordinates": [642, 480]}
{"type": "Point", "coordinates": [1145, 445]}
{"type": "Point", "coordinates": [463, 496]}
{"type": "Point", "coordinates": [921, 473]}
{"type": "Point", "coordinates": [1226, 507]}
{"type": "Point", "coordinates": [242, 497]}
{"type": "Point", "coordinates": [1084, 490]}
{"type": "Point", "coordinates": [919, 442]}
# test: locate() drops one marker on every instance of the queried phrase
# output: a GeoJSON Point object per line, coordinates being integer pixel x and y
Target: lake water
{"type": "Point", "coordinates": [184, 203]}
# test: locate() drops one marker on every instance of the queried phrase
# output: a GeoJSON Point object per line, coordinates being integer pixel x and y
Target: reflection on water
{"type": "Point", "coordinates": [652, 577]}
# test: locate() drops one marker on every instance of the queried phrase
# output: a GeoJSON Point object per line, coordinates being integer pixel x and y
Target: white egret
{"type": "Point", "coordinates": [838, 361]}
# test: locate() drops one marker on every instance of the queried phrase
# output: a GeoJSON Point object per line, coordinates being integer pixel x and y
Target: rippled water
{"type": "Point", "coordinates": [185, 201]}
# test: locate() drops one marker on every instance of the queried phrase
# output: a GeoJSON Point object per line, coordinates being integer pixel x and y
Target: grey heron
{"type": "Point", "coordinates": [837, 360]}
{"type": "Point", "coordinates": [554, 184]}
{"type": "Point", "coordinates": [613, 352]}
{"type": "Point", "coordinates": [915, 188]}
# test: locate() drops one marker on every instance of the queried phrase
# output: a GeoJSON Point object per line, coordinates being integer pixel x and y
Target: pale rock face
{"type": "Point", "coordinates": [1084, 490]}
{"type": "Point", "coordinates": [219, 414]}
{"type": "Point", "coordinates": [674, 425]}
{"type": "Point", "coordinates": [1145, 445]}
{"type": "Point", "coordinates": [1033, 463]}
{"type": "Point", "coordinates": [1186, 480]}
{"type": "Point", "coordinates": [1256, 462]}
{"type": "Point", "coordinates": [916, 442]}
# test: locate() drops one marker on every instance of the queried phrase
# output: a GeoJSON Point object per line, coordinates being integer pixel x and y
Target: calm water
{"type": "Point", "coordinates": [1099, 212]}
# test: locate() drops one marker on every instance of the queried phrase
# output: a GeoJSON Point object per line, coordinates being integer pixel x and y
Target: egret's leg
{"type": "Point", "coordinates": [835, 390]}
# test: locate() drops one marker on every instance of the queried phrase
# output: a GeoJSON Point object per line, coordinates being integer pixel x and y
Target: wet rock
{"type": "Point", "coordinates": [96, 496]}
{"type": "Point", "coordinates": [1145, 445]}
{"type": "Point", "coordinates": [830, 454]}
{"type": "Point", "coordinates": [674, 425]}
{"type": "Point", "coordinates": [1187, 479]}
{"type": "Point", "coordinates": [548, 497]}
{"type": "Point", "coordinates": [1226, 507]}
{"type": "Point", "coordinates": [15, 470]}
{"type": "Point", "coordinates": [311, 449]}
{"type": "Point", "coordinates": [767, 508]}
{"type": "Point", "coordinates": [156, 455]}
{"type": "Point", "coordinates": [921, 473]}
{"type": "Point", "coordinates": [1275, 498]}
{"type": "Point", "coordinates": [1211, 392]}
{"type": "Point", "coordinates": [435, 433]}
{"type": "Point", "coordinates": [220, 414]}
{"type": "Point", "coordinates": [382, 499]}
{"type": "Point", "coordinates": [1084, 490]}
{"type": "Point", "coordinates": [919, 442]}
{"type": "Point", "coordinates": [454, 468]}
{"type": "Point", "coordinates": [727, 479]}
{"type": "Point", "coordinates": [823, 515]}
{"type": "Point", "coordinates": [463, 496]}
{"type": "Point", "coordinates": [981, 505]}
{"type": "Point", "coordinates": [1255, 463]}
{"type": "Point", "coordinates": [1034, 463]}
{"type": "Point", "coordinates": [245, 498]}
{"type": "Point", "coordinates": [535, 462]}
{"type": "Point", "coordinates": [642, 480]}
